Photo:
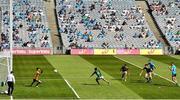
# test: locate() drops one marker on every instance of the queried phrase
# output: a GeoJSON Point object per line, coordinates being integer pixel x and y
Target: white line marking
{"type": "Point", "coordinates": [72, 89]}
{"type": "Point", "coordinates": [11, 97]}
{"type": "Point", "coordinates": [175, 57]}
{"type": "Point", "coordinates": [141, 68]}
{"type": "Point", "coordinates": [29, 78]}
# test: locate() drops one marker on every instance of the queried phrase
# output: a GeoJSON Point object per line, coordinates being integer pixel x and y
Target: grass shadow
{"type": "Point", "coordinates": [116, 79]}
{"type": "Point", "coordinates": [163, 85]}
{"type": "Point", "coordinates": [138, 81]}
{"type": "Point", "coordinates": [27, 85]}
{"type": "Point", "coordinates": [89, 84]}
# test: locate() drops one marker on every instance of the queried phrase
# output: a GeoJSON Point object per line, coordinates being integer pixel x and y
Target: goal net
{"type": "Point", "coordinates": [4, 68]}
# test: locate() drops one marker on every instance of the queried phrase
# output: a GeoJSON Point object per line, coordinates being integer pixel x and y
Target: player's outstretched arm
{"type": "Point", "coordinates": [92, 74]}
{"type": "Point", "coordinates": [128, 72]}
{"type": "Point", "coordinates": [141, 72]}
{"type": "Point", "coordinates": [154, 67]}
{"type": "Point", "coordinates": [41, 71]}
{"type": "Point", "coordinates": [169, 68]}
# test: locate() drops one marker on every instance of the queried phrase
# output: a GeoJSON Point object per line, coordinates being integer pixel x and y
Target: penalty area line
{"type": "Point", "coordinates": [72, 88]}
{"type": "Point", "coordinates": [141, 68]}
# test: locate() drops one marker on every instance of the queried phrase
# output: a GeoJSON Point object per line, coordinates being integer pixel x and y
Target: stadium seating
{"type": "Point", "coordinates": [167, 16]}
{"type": "Point", "coordinates": [0, 22]}
{"type": "Point", "coordinates": [0, 28]}
{"type": "Point", "coordinates": [30, 25]}
{"type": "Point", "coordinates": [103, 24]}
{"type": "Point", "coordinates": [4, 42]}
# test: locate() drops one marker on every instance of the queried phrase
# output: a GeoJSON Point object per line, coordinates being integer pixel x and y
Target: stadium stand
{"type": "Point", "coordinates": [30, 25]}
{"type": "Point", "coordinates": [167, 15]}
{"type": "Point", "coordinates": [104, 24]}
{"type": "Point", "coordinates": [4, 42]}
{"type": "Point", "coordinates": [0, 18]}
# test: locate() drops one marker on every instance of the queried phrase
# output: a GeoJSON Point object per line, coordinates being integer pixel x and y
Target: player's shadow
{"type": "Point", "coordinates": [137, 81]}
{"type": "Point", "coordinates": [89, 84]}
{"type": "Point", "coordinates": [156, 84]}
{"type": "Point", "coordinates": [151, 83]}
{"type": "Point", "coordinates": [27, 85]}
{"type": "Point", "coordinates": [116, 79]}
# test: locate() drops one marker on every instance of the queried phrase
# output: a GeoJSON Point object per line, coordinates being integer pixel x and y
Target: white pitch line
{"type": "Point", "coordinates": [72, 89]}
{"type": "Point", "coordinates": [141, 68]}
{"type": "Point", "coordinates": [11, 97]}
{"type": "Point", "coordinates": [175, 57]}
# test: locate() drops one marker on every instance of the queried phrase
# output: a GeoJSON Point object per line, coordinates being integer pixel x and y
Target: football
{"type": "Point", "coordinates": [5, 92]}
{"type": "Point", "coordinates": [55, 70]}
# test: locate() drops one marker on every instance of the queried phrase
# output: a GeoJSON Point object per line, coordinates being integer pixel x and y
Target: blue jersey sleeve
{"type": "Point", "coordinates": [173, 69]}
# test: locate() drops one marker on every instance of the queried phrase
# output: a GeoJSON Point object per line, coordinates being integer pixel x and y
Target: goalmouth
{"type": "Point", "coordinates": [5, 68]}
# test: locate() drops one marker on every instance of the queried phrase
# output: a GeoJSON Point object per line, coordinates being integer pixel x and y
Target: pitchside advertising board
{"type": "Point", "coordinates": [151, 51]}
{"type": "Point", "coordinates": [31, 51]}
{"type": "Point", "coordinates": [104, 51]}
{"type": "Point", "coordinates": [116, 52]}
{"type": "Point", "coordinates": [128, 51]}
{"type": "Point", "coordinates": [91, 52]}
{"type": "Point", "coordinates": [82, 51]}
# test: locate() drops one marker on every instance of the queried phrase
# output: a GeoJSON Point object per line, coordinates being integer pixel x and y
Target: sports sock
{"type": "Point", "coordinates": [38, 83]}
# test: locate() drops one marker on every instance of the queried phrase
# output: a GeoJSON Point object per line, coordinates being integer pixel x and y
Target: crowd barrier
{"type": "Point", "coordinates": [117, 52]}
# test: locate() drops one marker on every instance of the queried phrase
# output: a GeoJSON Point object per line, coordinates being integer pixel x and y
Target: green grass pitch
{"type": "Point", "coordinates": [77, 69]}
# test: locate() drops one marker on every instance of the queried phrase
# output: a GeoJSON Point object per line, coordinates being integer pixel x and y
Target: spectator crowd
{"type": "Point", "coordinates": [30, 26]}
{"type": "Point", "coordinates": [104, 24]}
{"type": "Point", "coordinates": [167, 16]}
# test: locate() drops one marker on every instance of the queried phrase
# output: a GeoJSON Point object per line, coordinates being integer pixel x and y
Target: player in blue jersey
{"type": "Point", "coordinates": [173, 72]}
{"type": "Point", "coordinates": [151, 65]}
{"type": "Point", "coordinates": [98, 76]}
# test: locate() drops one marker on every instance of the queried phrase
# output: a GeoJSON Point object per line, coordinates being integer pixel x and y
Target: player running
{"type": "Point", "coordinates": [151, 65]}
{"type": "Point", "coordinates": [36, 77]}
{"type": "Point", "coordinates": [173, 71]}
{"type": "Point", "coordinates": [148, 75]}
{"type": "Point", "coordinates": [124, 72]}
{"type": "Point", "coordinates": [98, 76]}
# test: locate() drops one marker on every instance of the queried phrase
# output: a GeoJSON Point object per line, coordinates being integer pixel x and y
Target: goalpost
{"type": "Point", "coordinates": [6, 56]}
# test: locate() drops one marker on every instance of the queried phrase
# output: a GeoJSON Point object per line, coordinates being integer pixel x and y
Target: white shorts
{"type": "Point", "coordinates": [99, 78]}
